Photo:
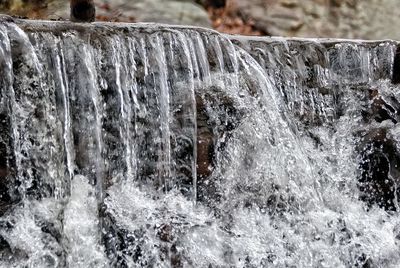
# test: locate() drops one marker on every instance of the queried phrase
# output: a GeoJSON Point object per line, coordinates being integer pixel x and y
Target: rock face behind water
{"type": "Point", "coordinates": [185, 147]}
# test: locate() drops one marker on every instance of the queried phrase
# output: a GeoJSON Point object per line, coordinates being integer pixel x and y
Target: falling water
{"type": "Point", "coordinates": [156, 146]}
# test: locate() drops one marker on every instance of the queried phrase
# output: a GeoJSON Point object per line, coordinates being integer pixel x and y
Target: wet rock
{"type": "Point", "coordinates": [364, 261]}
{"type": "Point", "coordinates": [380, 169]}
{"type": "Point", "coordinates": [165, 233]}
{"type": "Point", "coordinates": [205, 141]}
{"type": "Point", "coordinates": [5, 248]}
{"type": "Point", "coordinates": [120, 243]}
{"type": "Point", "coordinates": [205, 153]}
{"type": "Point", "coordinates": [213, 133]}
{"type": "Point", "coordinates": [7, 157]}
{"type": "Point", "coordinates": [176, 257]}
{"type": "Point", "coordinates": [396, 67]}
{"type": "Point", "coordinates": [8, 254]}
{"type": "Point", "coordinates": [381, 108]}
{"type": "Point", "coordinates": [380, 157]}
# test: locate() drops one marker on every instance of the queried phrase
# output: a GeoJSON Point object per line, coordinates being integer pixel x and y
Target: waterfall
{"type": "Point", "coordinates": [161, 146]}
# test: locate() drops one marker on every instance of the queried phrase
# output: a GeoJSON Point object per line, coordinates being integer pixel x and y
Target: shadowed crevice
{"type": "Point", "coordinates": [396, 67]}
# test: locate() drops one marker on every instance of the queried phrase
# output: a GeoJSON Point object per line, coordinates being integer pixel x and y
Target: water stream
{"type": "Point", "coordinates": [157, 146]}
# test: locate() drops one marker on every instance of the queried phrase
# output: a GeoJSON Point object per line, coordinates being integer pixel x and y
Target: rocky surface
{"type": "Point", "coordinates": [361, 19]}
{"type": "Point", "coordinates": [169, 12]}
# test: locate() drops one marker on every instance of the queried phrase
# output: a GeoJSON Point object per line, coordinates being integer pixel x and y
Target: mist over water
{"type": "Point", "coordinates": [104, 136]}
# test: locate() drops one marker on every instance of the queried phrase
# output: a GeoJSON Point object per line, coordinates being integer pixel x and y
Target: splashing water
{"type": "Point", "coordinates": [156, 146]}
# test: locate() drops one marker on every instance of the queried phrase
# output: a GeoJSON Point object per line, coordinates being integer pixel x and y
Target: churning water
{"type": "Point", "coordinates": [156, 146]}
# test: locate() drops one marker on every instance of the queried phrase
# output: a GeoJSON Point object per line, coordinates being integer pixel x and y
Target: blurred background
{"type": "Point", "coordinates": [360, 19]}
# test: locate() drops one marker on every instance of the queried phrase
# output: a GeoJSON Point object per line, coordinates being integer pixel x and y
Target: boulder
{"type": "Point", "coordinates": [169, 12]}
{"type": "Point", "coordinates": [380, 173]}
{"type": "Point", "coordinates": [367, 19]}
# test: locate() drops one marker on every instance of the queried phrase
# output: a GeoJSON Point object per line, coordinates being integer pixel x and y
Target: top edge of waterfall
{"type": "Point", "coordinates": [322, 40]}
{"type": "Point", "coordinates": [54, 26]}
{"type": "Point", "coordinates": [62, 25]}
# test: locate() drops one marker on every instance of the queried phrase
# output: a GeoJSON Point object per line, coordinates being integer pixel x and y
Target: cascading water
{"type": "Point", "coordinates": [157, 146]}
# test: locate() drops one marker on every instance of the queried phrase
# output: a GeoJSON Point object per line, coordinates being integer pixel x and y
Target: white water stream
{"type": "Point", "coordinates": [101, 136]}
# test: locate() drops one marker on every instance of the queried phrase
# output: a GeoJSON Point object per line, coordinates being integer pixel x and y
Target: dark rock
{"type": "Point", "coordinates": [165, 233]}
{"type": "Point", "coordinates": [382, 109]}
{"type": "Point", "coordinates": [213, 134]}
{"type": "Point", "coordinates": [176, 257]}
{"type": "Point", "coordinates": [213, 3]}
{"type": "Point", "coordinates": [6, 18]}
{"type": "Point", "coordinates": [363, 261]}
{"type": "Point", "coordinates": [83, 11]}
{"type": "Point", "coordinates": [396, 67]}
{"type": "Point", "coordinates": [5, 248]}
{"type": "Point", "coordinates": [205, 141]}
{"type": "Point", "coordinates": [380, 176]}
